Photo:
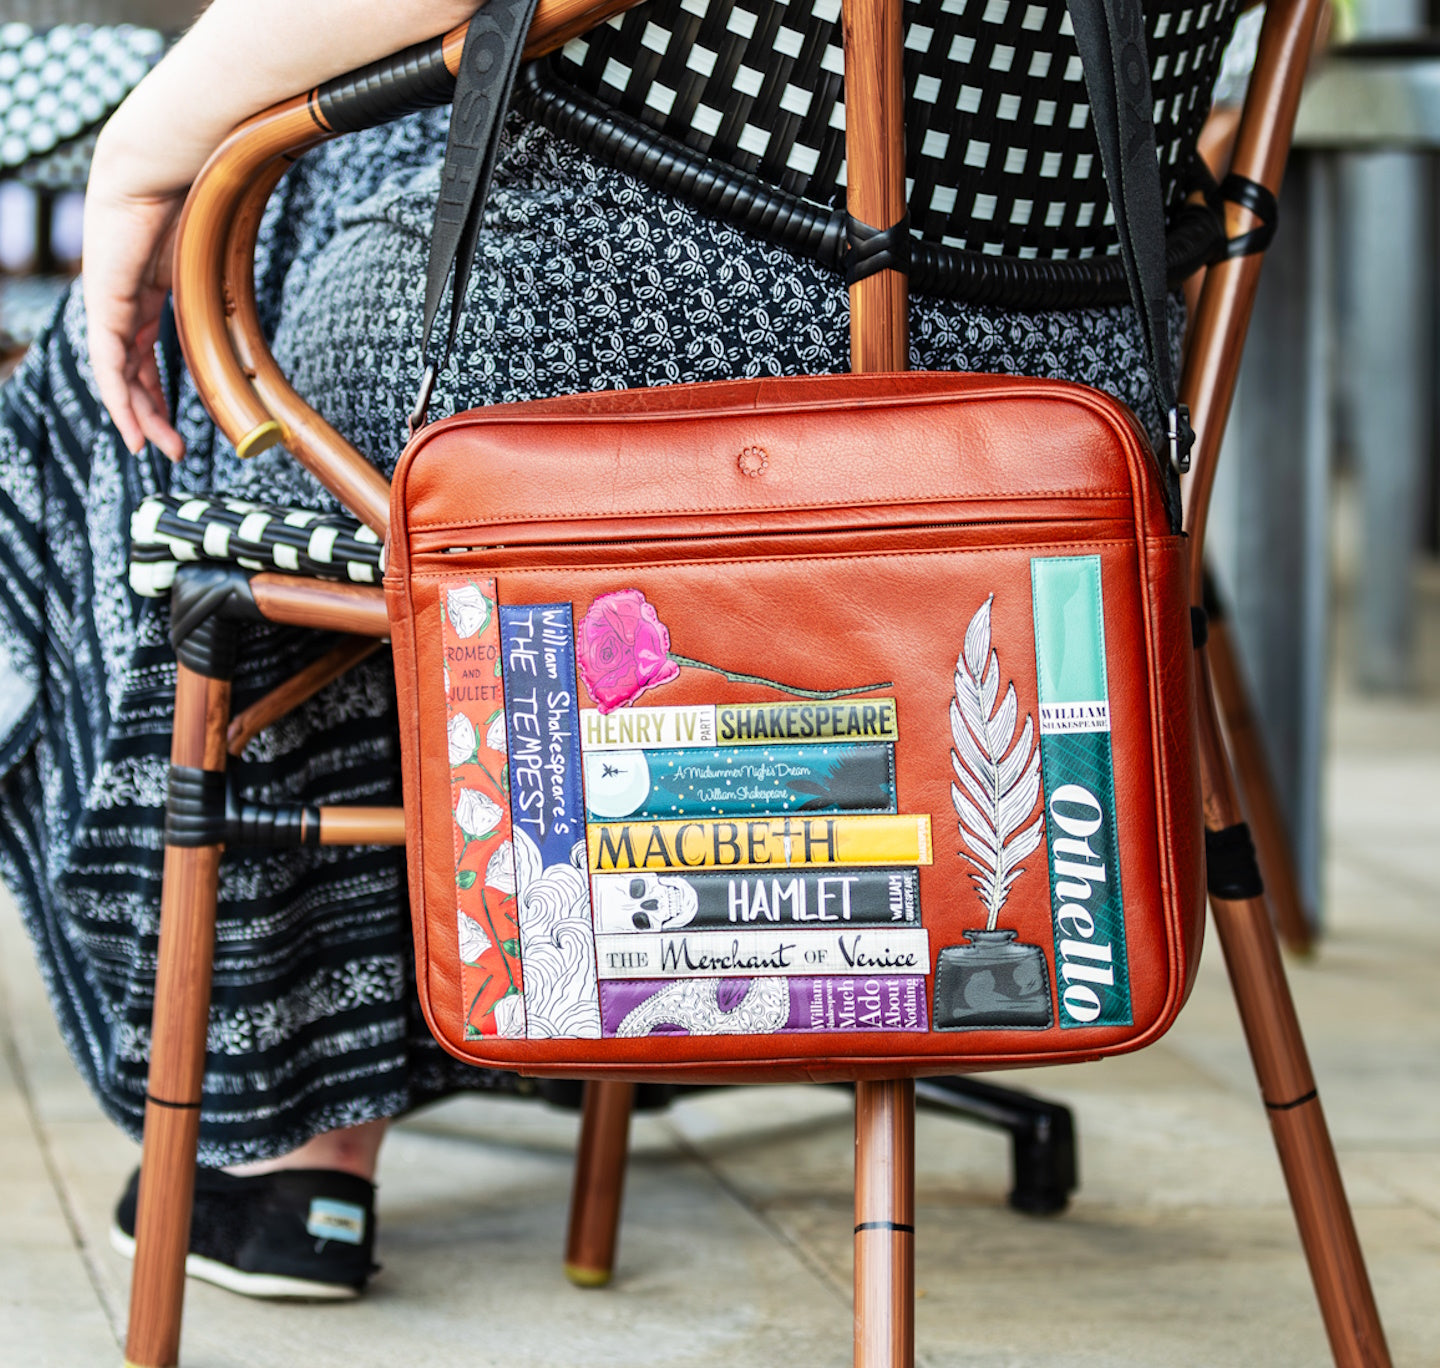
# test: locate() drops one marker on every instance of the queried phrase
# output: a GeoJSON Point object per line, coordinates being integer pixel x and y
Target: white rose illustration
{"type": "Point", "coordinates": [476, 814]}
{"type": "Point", "coordinates": [473, 940]}
{"type": "Point", "coordinates": [500, 872]}
{"type": "Point", "coordinates": [510, 1017]}
{"type": "Point", "coordinates": [461, 734]}
{"type": "Point", "coordinates": [495, 734]}
{"type": "Point", "coordinates": [469, 610]}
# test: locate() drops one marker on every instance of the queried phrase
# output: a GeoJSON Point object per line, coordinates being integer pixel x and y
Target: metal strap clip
{"type": "Point", "coordinates": [1180, 436]}
{"type": "Point", "coordinates": [421, 411]}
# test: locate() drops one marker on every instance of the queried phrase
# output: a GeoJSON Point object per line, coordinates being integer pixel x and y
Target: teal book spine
{"type": "Point", "coordinates": [1086, 900]}
{"type": "Point", "coordinates": [742, 780]}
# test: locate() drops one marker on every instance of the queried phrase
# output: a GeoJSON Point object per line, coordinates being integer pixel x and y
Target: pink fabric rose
{"type": "Point", "coordinates": [623, 649]}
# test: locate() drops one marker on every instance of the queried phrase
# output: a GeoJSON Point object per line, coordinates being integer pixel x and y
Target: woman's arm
{"type": "Point", "coordinates": [240, 57]}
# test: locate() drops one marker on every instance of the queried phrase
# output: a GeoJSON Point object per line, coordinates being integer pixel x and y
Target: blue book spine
{"type": "Point", "coordinates": [537, 643]}
{"type": "Point", "coordinates": [547, 807]}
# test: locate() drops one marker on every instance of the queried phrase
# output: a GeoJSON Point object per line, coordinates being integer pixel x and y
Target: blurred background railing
{"type": "Point", "coordinates": [1327, 505]}
{"type": "Point", "coordinates": [64, 66]}
{"type": "Point", "coordinates": [169, 15]}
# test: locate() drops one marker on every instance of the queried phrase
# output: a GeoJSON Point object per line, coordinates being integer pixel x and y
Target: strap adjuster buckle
{"type": "Point", "coordinates": [1180, 436]}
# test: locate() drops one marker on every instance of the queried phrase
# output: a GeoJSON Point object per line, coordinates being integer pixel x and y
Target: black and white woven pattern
{"type": "Point", "coordinates": [1000, 157]}
{"type": "Point", "coordinates": [66, 168]}
{"type": "Point", "coordinates": [168, 529]}
{"type": "Point", "coordinates": [57, 86]}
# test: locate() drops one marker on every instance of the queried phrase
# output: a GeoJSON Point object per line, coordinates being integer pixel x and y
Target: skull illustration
{"type": "Point", "coordinates": [643, 902]}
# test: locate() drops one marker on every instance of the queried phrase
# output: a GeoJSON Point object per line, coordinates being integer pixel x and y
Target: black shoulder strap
{"type": "Point", "coordinates": [489, 65]}
{"type": "Point", "coordinates": [1110, 35]}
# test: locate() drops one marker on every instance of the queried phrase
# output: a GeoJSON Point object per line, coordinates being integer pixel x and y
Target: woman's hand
{"type": "Point", "coordinates": [228, 67]}
{"type": "Point", "coordinates": [147, 154]}
{"type": "Point", "coordinates": [129, 238]}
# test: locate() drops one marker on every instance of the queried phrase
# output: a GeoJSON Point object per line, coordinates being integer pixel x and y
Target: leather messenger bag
{"type": "Point", "coordinates": [831, 727]}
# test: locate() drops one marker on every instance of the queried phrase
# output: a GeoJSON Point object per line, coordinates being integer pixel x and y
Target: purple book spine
{"type": "Point", "coordinates": [762, 1006]}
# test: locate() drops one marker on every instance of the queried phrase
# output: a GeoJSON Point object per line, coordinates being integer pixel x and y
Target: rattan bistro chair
{"type": "Point", "coordinates": [320, 572]}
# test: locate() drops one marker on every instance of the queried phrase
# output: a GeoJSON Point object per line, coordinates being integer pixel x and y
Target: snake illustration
{"type": "Point", "coordinates": [694, 1006]}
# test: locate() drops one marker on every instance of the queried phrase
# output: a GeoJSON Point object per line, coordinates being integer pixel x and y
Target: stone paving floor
{"type": "Point", "coordinates": [1178, 1250]}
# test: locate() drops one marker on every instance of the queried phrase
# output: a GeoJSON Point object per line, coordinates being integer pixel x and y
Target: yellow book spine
{"type": "Point", "coordinates": [766, 724]}
{"type": "Point", "coordinates": [761, 842]}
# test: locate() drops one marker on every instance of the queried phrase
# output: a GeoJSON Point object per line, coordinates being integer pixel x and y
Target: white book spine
{"type": "Point", "coordinates": [658, 728]}
{"type": "Point", "coordinates": [744, 954]}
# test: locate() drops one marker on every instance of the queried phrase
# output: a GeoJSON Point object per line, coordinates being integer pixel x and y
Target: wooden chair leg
{"type": "Point", "coordinates": [177, 1048]}
{"type": "Point", "coordinates": [1259, 798]}
{"type": "Point", "coordinates": [885, 1224]}
{"type": "Point", "coordinates": [599, 1183]}
{"type": "Point", "coordinates": [1277, 1047]}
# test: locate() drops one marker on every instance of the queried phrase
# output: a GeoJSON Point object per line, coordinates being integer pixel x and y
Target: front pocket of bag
{"type": "Point", "coordinates": [944, 620]}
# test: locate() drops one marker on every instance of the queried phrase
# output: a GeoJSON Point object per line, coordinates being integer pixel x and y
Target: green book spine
{"type": "Point", "coordinates": [1086, 901]}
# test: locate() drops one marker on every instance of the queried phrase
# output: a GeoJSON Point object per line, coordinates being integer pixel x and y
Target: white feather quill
{"type": "Point", "coordinates": [999, 777]}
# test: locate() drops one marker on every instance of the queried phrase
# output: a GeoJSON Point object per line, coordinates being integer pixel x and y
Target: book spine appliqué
{"type": "Point", "coordinates": [722, 954]}
{"type": "Point", "coordinates": [537, 643]}
{"type": "Point", "coordinates": [761, 842]}
{"type": "Point", "coordinates": [764, 724]}
{"type": "Point", "coordinates": [1078, 767]}
{"type": "Point", "coordinates": [647, 728]}
{"type": "Point", "coordinates": [644, 901]}
{"type": "Point", "coordinates": [763, 1006]}
{"type": "Point", "coordinates": [491, 985]}
{"type": "Point", "coordinates": [743, 780]}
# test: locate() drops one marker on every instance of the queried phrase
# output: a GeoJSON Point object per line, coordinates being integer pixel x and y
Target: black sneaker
{"type": "Point", "coordinates": [299, 1233]}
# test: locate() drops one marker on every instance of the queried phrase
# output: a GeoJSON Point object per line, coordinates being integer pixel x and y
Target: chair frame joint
{"type": "Point", "coordinates": [1232, 871]}
{"type": "Point", "coordinates": [203, 809]}
{"type": "Point", "coordinates": [206, 604]}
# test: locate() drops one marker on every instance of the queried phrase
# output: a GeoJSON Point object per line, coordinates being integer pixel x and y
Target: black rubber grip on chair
{"type": "Point", "coordinates": [202, 809]}
{"type": "Point", "coordinates": [626, 144]}
{"type": "Point", "coordinates": [1195, 236]}
{"type": "Point", "coordinates": [1199, 627]}
{"type": "Point", "coordinates": [194, 807]}
{"type": "Point", "coordinates": [271, 826]}
{"type": "Point", "coordinates": [401, 84]}
{"type": "Point", "coordinates": [1231, 870]}
{"type": "Point", "coordinates": [1254, 197]}
{"type": "Point", "coordinates": [205, 603]}
{"type": "Point", "coordinates": [869, 250]}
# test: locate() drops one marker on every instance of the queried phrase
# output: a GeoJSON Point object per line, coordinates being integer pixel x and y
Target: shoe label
{"type": "Point", "coordinates": [1075, 758]}
{"type": "Point", "coordinates": [332, 1220]}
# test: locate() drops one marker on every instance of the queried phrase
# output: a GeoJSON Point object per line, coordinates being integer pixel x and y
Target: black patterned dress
{"type": "Point", "coordinates": [587, 280]}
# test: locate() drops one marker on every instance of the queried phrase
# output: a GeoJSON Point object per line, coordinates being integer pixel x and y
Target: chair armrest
{"type": "Point", "coordinates": [239, 382]}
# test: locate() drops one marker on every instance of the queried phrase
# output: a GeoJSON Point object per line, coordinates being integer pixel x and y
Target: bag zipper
{"type": "Point", "coordinates": [630, 535]}
{"type": "Point", "coordinates": [762, 544]}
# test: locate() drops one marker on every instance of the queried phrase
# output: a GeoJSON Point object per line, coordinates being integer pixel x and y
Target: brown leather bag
{"type": "Point", "coordinates": [995, 626]}
{"type": "Point", "coordinates": [834, 727]}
